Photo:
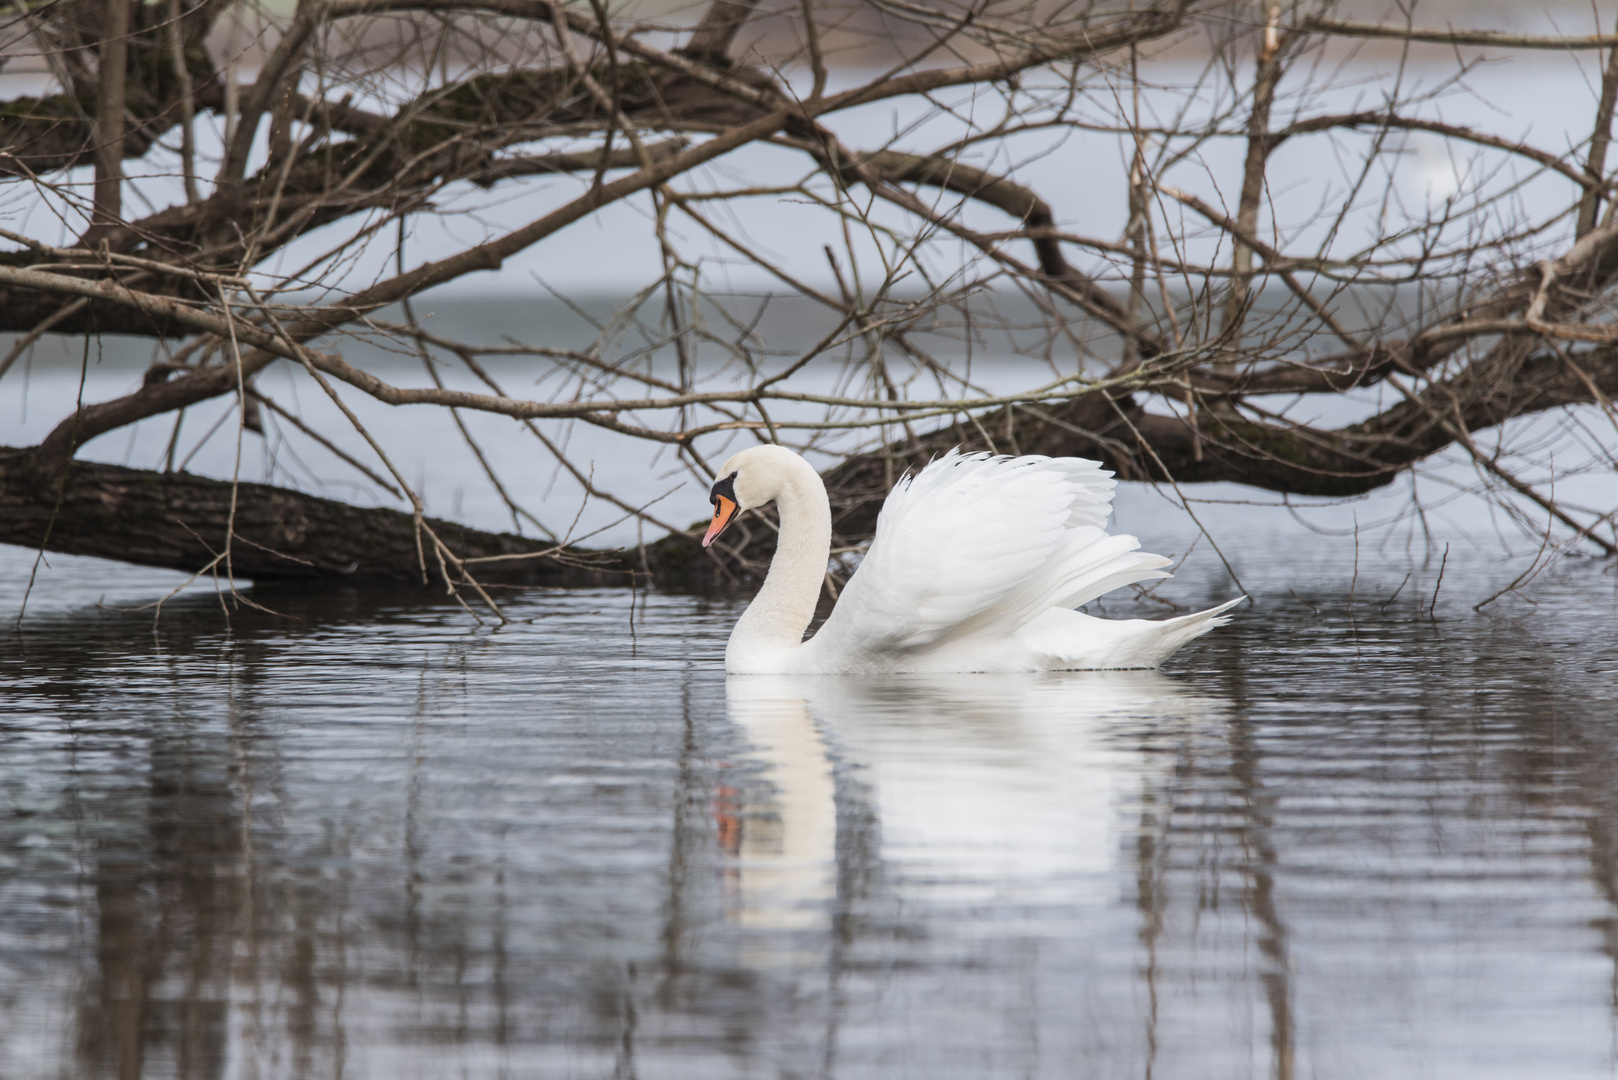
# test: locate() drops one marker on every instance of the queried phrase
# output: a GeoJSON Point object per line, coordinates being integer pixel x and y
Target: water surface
{"type": "Point", "coordinates": [370, 839]}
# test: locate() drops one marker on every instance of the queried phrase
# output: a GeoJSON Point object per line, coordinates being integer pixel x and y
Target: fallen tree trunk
{"type": "Point", "coordinates": [1297, 460]}
{"type": "Point", "coordinates": [180, 522]}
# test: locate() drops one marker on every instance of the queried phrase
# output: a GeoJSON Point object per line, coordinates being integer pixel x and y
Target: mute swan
{"type": "Point", "coordinates": [977, 564]}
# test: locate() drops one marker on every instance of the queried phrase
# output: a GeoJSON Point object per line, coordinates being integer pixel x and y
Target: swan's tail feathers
{"type": "Point", "coordinates": [1176, 632]}
{"type": "Point", "coordinates": [1072, 640]}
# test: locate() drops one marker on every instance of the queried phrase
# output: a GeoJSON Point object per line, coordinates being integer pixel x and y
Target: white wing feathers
{"type": "Point", "coordinates": [1071, 639]}
{"type": "Point", "coordinates": [982, 545]}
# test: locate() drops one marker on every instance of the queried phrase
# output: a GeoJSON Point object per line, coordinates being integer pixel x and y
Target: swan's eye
{"type": "Point", "coordinates": [724, 489]}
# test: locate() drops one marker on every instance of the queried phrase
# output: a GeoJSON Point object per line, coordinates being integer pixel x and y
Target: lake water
{"type": "Point", "coordinates": [1342, 837]}
{"type": "Point", "coordinates": [1364, 831]}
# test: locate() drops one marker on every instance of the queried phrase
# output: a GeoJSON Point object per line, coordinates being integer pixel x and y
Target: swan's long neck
{"type": "Point", "coordinates": [781, 611]}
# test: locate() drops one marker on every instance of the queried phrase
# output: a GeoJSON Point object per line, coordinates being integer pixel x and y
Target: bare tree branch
{"type": "Point", "coordinates": [1500, 38]}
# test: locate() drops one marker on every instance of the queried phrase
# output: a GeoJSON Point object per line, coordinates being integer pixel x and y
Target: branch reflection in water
{"type": "Point", "coordinates": [363, 842]}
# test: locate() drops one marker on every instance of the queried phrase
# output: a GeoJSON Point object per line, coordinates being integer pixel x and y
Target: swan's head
{"type": "Point", "coordinates": [749, 480]}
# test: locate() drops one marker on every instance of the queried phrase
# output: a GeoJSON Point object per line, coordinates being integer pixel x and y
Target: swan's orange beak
{"type": "Point", "coordinates": [724, 512]}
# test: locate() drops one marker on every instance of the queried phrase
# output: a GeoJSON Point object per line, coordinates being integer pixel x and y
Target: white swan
{"type": "Point", "coordinates": [977, 563]}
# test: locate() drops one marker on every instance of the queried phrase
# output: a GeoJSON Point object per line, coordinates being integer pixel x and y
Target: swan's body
{"type": "Point", "coordinates": [976, 565]}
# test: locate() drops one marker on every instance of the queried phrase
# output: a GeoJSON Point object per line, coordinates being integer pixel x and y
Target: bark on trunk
{"type": "Point", "coordinates": [1140, 445]}
{"type": "Point", "coordinates": [178, 521]}
{"type": "Point", "coordinates": [110, 114]}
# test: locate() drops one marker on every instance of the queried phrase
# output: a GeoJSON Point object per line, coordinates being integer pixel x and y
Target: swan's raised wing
{"type": "Point", "coordinates": [976, 543]}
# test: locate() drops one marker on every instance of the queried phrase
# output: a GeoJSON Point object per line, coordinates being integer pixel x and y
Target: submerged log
{"type": "Point", "coordinates": [179, 521]}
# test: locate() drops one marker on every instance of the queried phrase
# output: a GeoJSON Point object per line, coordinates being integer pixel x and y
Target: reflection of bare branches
{"type": "Point", "coordinates": [1258, 866]}
{"type": "Point", "coordinates": [1151, 896]}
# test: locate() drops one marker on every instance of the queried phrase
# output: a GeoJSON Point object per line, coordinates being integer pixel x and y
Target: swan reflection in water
{"type": "Point", "coordinates": [984, 789]}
